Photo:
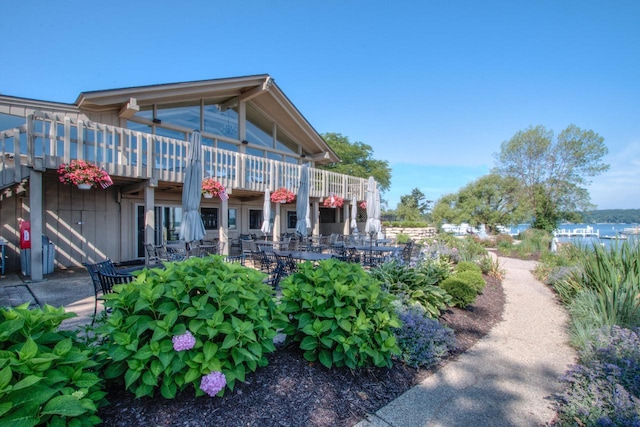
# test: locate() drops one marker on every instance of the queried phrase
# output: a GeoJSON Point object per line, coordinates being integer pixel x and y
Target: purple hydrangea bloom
{"type": "Point", "coordinates": [185, 341]}
{"type": "Point", "coordinates": [213, 383]}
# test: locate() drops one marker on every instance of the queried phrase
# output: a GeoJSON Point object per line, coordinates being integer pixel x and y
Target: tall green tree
{"type": "Point", "coordinates": [413, 207]}
{"type": "Point", "coordinates": [553, 172]}
{"type": "Point", "coordinates": [490, 200]}
{"type": "Point", "coordinates": [357, 160]}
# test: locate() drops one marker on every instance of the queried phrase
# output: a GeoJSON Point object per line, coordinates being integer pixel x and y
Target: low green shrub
{"type": "Point", "coordinates": [473, 278]}
{"type": "Point", "coordinates": [189, 324]}
{"type": "Point", "coordinates": [47, 376]}
{"type": "Point", "coordinates": [467, 266]}
{"type": "Point", "coordinates": [462, 293]}
{"type": "Point", "coordinates": [503, 239]}
{"type": "Point", "coordinates": [414, 285]}
{"type": "Point", "coordinates": [339, 315]}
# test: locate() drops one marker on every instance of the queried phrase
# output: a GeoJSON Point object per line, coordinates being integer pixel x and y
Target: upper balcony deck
{"type": "Point", "coordinates": [48, 140]}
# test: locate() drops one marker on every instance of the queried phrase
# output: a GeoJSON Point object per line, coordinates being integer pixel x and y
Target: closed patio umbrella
{"type": "Point", "coordinates": [302, 203]}
{"type": "Point", "coordinates": [266, 213]}
{"type": "Point", "coordinates": [192, 228]}
{"type": "Point", "coordinates": [373, 208]}
{"type": "Point", "coordinates": [354, 211]}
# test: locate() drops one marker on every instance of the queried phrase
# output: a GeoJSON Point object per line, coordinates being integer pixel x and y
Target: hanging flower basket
{"type": "Point", "coordinates": [83, 174]}
{"type": "Point", "coordinates": [363, 204]}
{"type": "Point", "coordinates": [333, 202]}
{"type": "Point", "coordinates": [211, 188]}
{"type": "Point", "coordinates": [282, 195]}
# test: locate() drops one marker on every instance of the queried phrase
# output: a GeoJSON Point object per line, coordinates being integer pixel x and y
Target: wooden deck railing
{"type": "Point", "coordinates": [47, 140]}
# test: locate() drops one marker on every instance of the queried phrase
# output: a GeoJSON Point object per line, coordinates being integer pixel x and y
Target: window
{"type": "Point", "coordinates": [292, 218]}
{"type": "Point", "coordinates": [209, 218]}
{"type": "Point", "coordinates": [328, 215]}
{"type": "Point", "coordinates": [284, 143]}
{"type": "Point", "coordinates": [233, 215]}
{"type": "Point", "coordinates": [255, 219]}
{"type": "Point", "coordinates": [9, 122]}
{"type": "Point", "coordinates": [181, 114]}
{"type": "Point", "coordinates": [259, 128]}
{"type": "Point", "coordinates": [221, 122]}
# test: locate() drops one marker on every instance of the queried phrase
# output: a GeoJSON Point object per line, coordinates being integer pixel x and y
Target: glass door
{"type": "Point", "coordinates": [167, 228]}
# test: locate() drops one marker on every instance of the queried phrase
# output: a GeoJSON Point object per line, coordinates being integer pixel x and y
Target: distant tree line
{"type": "Point", "coordinates": [625, 216]}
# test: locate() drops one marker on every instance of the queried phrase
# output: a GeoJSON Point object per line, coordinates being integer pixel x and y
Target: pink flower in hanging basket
{"type": "Point", "coordinates": [211, 186]}
{"type": "Point", "coordinates": [282, 195]}
{"type": "Point", "coordinates": [333, 202]}
{"type": "Point", "coordinates": [82, 172]}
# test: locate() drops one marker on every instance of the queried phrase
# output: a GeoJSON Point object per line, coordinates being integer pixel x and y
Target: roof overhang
{"type": "Point", "coordinates": [260, 89]}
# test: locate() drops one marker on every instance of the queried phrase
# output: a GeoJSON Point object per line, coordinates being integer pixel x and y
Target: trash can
{"type": "Point", "coordinates": [48, 254]}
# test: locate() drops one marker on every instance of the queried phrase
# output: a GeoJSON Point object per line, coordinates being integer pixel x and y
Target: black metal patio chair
{"type": "Point", "coordinates": [104, 267]}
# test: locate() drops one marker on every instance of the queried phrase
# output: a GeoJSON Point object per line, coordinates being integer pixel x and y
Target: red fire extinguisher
{"type": "Point", "coordinates": [25, 235]}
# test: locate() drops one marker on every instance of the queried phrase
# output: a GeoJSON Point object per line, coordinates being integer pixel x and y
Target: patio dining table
{"type": "Point", "coordinates": [374, 248]}
{"type": "Point", "coordinates": [304, 255]}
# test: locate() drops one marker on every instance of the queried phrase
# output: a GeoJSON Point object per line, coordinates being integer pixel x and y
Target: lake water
{"type": "Point", "coordinates": [605, 230]}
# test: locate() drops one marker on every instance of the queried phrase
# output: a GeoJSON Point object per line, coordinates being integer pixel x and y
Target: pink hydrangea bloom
{"type": "Point", "coordinates": [185, 341]}
{"type": "Point", "coordinates": [213, 383]}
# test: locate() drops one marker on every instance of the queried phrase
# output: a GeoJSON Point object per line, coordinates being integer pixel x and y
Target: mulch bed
{"type": "Point", "coordinates": [293, 392]}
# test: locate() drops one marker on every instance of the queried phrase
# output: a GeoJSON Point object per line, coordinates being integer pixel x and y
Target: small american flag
{"type": "Point", "coordinates": [106, 180]}
{"type": "Point", "coordinates": [224, 195]}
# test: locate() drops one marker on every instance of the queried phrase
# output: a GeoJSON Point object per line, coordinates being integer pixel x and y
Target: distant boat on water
{"type": "Point", "coordinates": [615, 237]}
{"type": "Point", "coordinates": [631, 230]}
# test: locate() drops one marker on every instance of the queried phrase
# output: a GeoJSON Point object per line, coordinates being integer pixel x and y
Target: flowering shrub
{"type": "Point", "coordinates": [46, 375]}
{"type": "Point", "coordinates": [82, 172]}
{"type": "Point", "coordinates": [188, 324]}
{"type": "Point", "coordinates": [213, 383]}
{"type": "Point", "coordinates": [282, 195]}
{"type": "Point", "coordinates": [211, 186]}
{"type": "Point", "coordinates": [604, 389]}
{"type": "Point", "coordinates": [423, 341]}
{"type": "Point", "coordinates": [333, 202]}
{"type": "Point", "coordinates": [185, 341]}
{"type": "Point", "coordinates": [339, 315]}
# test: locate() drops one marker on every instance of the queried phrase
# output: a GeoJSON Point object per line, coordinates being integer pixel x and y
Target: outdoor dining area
{"type": "Point", "coordinates": [276, 258]}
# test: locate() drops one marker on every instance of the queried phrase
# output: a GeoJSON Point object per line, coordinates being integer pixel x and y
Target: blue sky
{"type": "Point", "coordinates": [433, 86]}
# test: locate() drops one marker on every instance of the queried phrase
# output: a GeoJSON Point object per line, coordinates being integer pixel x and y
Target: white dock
{"type": "Point", "coordinates": [577, 232]}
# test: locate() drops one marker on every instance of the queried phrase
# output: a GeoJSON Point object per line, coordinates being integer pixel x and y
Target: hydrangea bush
{"type": "Point", "coordinates": [188, 324]}
{"type": "Point", "coordinates": [339, 315]}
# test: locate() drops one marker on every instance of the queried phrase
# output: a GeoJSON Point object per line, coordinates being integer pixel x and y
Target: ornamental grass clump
{"type": "Point", "coordinates": [604, 389]}
{"type": "Point", "coordinates": [339, 315]}
{"type": "Point", "coordinates": [423, 341]}
{"type": "Point", "coordinates": [47, 376]}
{"type": "Point", "coordinates": [173, 328]}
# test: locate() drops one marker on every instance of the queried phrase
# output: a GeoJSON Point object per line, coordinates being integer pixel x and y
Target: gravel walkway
{"type": "Point", "coordinates": [507, 377]}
